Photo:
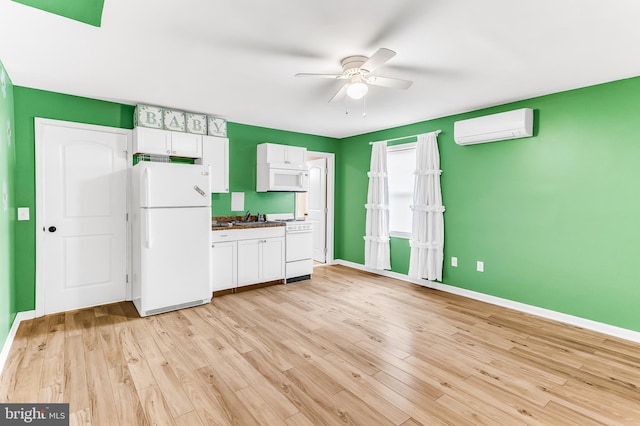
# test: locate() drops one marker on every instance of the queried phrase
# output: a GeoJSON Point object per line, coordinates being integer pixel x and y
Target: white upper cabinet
{"type": "Point", "coordinates": [166, 142]}
{"type": "Point", "coordinates": [186, 145]}
{"type": "Point", "coordinates": [215, 153]}
{"type": "Point", "coordinates": [281, 154]}
{"type": "Point", "coordinates": [295, 155]}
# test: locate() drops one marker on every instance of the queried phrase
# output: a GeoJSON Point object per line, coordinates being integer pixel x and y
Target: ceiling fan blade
{"type": "Point", "coordinates": [394, 83]}
{"type": "Point", "coordinates": [378, 58]}
{"type": "Point", "coordinates": [340, 93]}
{"type": "Point", "coordinates": [334, 76]}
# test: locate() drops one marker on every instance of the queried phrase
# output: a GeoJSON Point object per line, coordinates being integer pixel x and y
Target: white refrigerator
{"type": "Point", "coordinates": [170, 236]}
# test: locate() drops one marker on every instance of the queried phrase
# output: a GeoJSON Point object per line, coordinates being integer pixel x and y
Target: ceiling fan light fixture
{"type": "Point", "coordinates": [357, 88]}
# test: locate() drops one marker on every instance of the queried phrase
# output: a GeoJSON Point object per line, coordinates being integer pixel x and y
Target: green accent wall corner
{"type": "Point", "coordinates": [7, 206]}
{"type": "Point", "coordinates": [86, 11]}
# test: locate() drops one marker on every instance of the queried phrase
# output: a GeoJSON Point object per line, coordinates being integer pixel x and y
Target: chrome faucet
{"type": "Point", "coordinates": [247, 216]}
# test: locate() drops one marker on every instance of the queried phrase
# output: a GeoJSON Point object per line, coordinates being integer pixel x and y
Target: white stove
{"type": "Point", "coordinates": [298, 246]}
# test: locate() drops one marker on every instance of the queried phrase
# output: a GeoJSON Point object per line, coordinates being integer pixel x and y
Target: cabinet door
{"type": "Point", "coordinates": [276, 154]}
{"type": "Point", "coordinates": [272, 259]}
{"type": "Point", "coordinates": [186, 145]}
{"type": "Point", "coordinates": [215, 153]}
{"type": "Point", "coordinates": [151, 141]}
{"type": "Point", "coordinates": [296, 155]}
{"type": "Point", "coordinates": [248, 262]}
{"type": "Point", "coordinates": [224, 265]}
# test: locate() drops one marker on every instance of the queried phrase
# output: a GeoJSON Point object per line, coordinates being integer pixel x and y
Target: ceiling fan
{"type": "Point", "coordinates": [357, 70]}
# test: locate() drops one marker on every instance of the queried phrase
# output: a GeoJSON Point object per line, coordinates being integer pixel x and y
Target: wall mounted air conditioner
{"type": "Point", "coordinates": [495, 127]}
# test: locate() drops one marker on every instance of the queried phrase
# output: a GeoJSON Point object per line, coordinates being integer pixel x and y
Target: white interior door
{"type": "Point", "coordinates": [317, 207]}
{"type": "Point", "coordinates": [81, 215]}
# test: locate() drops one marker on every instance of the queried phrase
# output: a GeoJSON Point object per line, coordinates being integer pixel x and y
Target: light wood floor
{"type": "Point", "coordinates": [344, 348]}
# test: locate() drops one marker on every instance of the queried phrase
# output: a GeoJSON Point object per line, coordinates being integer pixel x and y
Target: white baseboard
{"type": "Point", "coordinates": [600, 327]}
{"type": "Point", "coordinates": [20, 316]}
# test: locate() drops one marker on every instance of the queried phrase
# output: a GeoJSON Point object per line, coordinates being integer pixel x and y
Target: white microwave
{"type": "Point", "coordinates": [272, 177]}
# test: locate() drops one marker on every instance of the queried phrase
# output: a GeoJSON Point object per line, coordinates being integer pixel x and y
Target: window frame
{"type": "Point", "coordinates": [400, 147]}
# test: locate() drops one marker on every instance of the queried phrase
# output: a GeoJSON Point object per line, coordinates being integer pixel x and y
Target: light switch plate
{"type": "Point", "coordinates": [23, 213]}
{"type": "Point", "coordinates": [480, 266]}
{"type": "Point", "coordinates": [454, 261]}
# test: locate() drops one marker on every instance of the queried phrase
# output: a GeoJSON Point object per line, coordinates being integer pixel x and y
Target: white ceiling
{"type": "Point", "coordinates": [237, 59]}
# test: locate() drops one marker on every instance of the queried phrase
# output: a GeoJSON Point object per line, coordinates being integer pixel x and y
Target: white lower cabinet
{"type": "Point", "coordinates": [241, 257]}
{"type": "Point", "coordinates": [272, 259]}
{"type": "Point", "coordinates": [260, 260]}
{"type": "Point", "coordinates": [224, 265]}
{"type": "Point", "coordinates": [249, 266]}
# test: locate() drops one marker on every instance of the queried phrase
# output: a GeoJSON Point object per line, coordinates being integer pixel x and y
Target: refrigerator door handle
{"type": "Point", "coordinates": [147, 187]}
{"type": "Point", "coordinates": [199, 191]}
{"type": "Point", "coordinates": [147, 228]}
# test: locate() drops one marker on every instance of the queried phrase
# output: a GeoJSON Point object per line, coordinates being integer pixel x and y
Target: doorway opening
{"type": "Point", "coordinates": [317, 205]}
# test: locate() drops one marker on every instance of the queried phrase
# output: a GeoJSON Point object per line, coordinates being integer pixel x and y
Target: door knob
{"type": "Point", "coordinates": [52, 229]}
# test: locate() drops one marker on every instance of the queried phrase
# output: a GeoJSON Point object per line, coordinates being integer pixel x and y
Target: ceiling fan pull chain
{"type": "Point", "coordinates": [364, 106]}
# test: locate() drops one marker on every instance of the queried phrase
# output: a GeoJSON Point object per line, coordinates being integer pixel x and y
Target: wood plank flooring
{"type": "Point", "coordinates": [347, 347]}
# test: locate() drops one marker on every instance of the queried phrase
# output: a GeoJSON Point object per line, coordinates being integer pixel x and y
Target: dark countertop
{"type": "Point", "coordinates": [224, 223]}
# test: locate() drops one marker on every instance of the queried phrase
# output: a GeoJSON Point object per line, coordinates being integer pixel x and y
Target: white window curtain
{"type": "Point", "coordinates": [376, 240]}
{"type": "Point", "coordinates": [427, 233]}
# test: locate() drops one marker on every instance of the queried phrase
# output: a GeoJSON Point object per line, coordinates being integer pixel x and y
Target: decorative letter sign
{"type": "Point", "coordinates": [197, 123]}
{"type": "Point", "coordinates": [217, 126]}
{"type": "Point", "coordinates": [148, 116]}
{"type": "Point", "coordinates": [173, 120]}
{"type": "Point", "coordinates": [179, 121]}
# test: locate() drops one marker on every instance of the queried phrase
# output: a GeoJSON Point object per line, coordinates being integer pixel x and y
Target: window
{"type": "Point", "coordinates": [401, 163]}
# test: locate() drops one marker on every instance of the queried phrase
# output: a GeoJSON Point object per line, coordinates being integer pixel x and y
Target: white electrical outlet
{"type": "Point", "coordinates": [480, 266]}
{"type": "Point", "coordinates": [454, 261]}
{"type": "Point", "coordinates": [23, 213]}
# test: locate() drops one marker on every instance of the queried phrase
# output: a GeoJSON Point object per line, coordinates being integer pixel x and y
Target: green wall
{"type": "Point", "coordinates": [243, 140]}
{"type": "Point", "coordinates": [7, 205]}
{"type": "Point", "coordinates": [554, 217]}
{"type": "Point", "coordinates": [31, 103]}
